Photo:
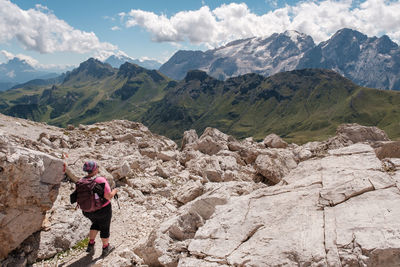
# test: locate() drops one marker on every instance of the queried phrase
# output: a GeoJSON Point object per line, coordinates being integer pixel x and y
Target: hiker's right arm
{"type": "Point", "coordinates": [111, 194]}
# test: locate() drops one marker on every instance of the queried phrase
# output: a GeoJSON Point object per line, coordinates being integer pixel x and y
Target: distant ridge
{"type": "Point", "coordinates": [368, 61]}
{"type": "Point", "coordinates": [299, 105]}
{"type": "Point", "coordinates": [17, 71]}
{"type": "Point", "coordinates": [117, 61]}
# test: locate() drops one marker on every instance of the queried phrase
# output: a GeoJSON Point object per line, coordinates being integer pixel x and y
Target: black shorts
{"type": "Point", "coordinates": [101, 220]}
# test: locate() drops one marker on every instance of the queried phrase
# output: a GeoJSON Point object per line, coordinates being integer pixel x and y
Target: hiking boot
{"type": "Point", "coordinates": [90, 248]}
{"type": "Point", "coordinates": [107, 250]}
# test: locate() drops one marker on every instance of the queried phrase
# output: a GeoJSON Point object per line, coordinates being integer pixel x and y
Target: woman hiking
{"type": "Point", "coordinates": [94, 200]}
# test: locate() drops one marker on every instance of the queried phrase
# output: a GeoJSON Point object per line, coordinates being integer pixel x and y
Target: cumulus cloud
{"type": "Point", "coordinates": [228, 22]}
{"type": "Point", "coordinates": [34, 63]}
{"type": "Point", "coordinates": [40, 30]}
{"type": "Point", "coordinates": [30, 60]}
{"type": "Point", "coordinates": [115, 28]}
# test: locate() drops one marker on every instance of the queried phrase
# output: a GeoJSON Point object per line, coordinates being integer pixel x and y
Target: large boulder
{"type": "Point", "coordinates": [189, 137]}
{"type": "Point", "coordinates": [319, 216]}
{"type": "Point", "coordinates": [30, 182]}
{"type": "Point", "coordinates": [212, 141]}
{"type": "Point", "coordinates": [388, 150]}
{"type": "Point", "coordinates": [275, 164]}
{"type": "Point", "coordinates": [357, 133]}
{"type": "Point", "coordinates": [165, 245]}
{"type": "Point", "coordinates": [63, 227]}
{"type": "Point", "coordinates": [274, 141]}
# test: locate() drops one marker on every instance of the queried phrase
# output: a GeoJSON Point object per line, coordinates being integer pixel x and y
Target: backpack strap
{"type": "Point", "coordinates": [99, 189]}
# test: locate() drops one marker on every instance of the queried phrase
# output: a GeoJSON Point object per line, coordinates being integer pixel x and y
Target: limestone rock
{"type": "Point", "coordinates": [189, 191]}
{"type": "Point", "coordinates": [164, 245]}
{"type": "Point", "coordinates": [212, 141]}
{"type": "Point", "coordinates": [189, 137]}
{"type": "Point", "coordinates": [122, 171]}
{"type": "Point", "coordinates": [30, 186]}
{"type": "Point", "coordinates": [275, 165]}
{"type": "Point", "coordinates": [70, 127]}
{"type": "Point", "coordinates": [210, 204]}
{"type": "Point", "coordinates": [104, 139]}
{"type": "Point", "coordinates": [62, 227]}
{"type": "Point", "coordinates": [274, 141]}
{"type": "Point", "coordinates": [266, 228]}
{"type": "Point", "coordinates": [388, 150]}
{"type": "Point", "coordinates": [167, 155]}
{"type": "Point", "coordinates": [357, 133]}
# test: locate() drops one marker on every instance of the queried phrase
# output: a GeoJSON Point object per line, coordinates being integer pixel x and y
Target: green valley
{"type": "Point", "coordinates": [300, 105]}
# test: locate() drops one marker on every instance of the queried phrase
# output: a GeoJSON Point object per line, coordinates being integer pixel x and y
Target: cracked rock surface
{"type": "Point", "coordinates": [339, 210]}
{"type": "Point", "coordinates": [213, 201]}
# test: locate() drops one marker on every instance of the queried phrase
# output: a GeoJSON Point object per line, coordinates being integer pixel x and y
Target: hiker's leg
{"type": "Point", "coordinates": [92, 234]}
{"type": "Point", "coordinates": [105, 225]}
{"type": "Point", "coordinates": [105, 241]}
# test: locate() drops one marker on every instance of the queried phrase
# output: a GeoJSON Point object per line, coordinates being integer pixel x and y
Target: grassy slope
{"type": "Point", "coordinates": [87, 99]}
{"type": "Point", "coordinates": [300, 106]}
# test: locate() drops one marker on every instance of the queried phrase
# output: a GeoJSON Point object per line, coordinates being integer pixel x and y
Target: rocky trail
{"type": "Point", "coordinates": [214, 201]}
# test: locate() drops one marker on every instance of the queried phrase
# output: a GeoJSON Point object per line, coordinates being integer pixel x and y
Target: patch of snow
{"type": "Point", "coordinates": [293, 35]}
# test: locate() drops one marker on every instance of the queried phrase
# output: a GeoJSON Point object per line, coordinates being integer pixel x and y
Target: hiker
{"type": "Point", "coordinates": [93, 196]}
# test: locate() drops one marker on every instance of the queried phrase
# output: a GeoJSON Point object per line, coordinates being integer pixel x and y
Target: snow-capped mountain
{"type": "Point", "coordinates": [17, 71]}
{"type": "Point", "coordinates": [265, 56]}
{"type": "Point", "coordinates": [117, 61]}
{"type": "Point", "coordinates": [368, 61]}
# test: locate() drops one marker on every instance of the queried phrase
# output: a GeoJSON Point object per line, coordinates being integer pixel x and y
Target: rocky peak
{"type": "Point", "coordinates": [348, 35]}
{"type": "Point", "coordinates": [91, 68]}
{"type": "Point", "coordinates": [343, 46]}
{"type": "Point", "coordinates": [196, 75]}
{"type": "Point", "coordinates": [384, 45]}
{"type": "Point", "coordinates": [18, 65]}
{"type": "Point", "coordinates": [128, 70]}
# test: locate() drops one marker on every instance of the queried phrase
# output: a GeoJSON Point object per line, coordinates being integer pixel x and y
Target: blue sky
{"type": "Point", "coordinates": [68, 32]}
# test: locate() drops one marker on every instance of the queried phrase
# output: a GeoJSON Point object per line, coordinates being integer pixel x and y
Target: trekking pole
{"type": "Point", "coordinates": [116, 197]}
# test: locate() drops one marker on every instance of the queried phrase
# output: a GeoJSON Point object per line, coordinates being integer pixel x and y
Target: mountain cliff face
{"type": "Point", "coordinates": [117, 61]}
{"type": "Point", "coordinates": [372, 62]}
{"type": "Point", "coordinates": [368, 61]}
{"type": "Point", "coordinates": [265, 56]}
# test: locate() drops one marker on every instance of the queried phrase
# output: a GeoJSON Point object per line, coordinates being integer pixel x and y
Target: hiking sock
{"type": "Point", "coordinates": [105, 246]}
{"type": "Point", "coordinates": [91, 241]}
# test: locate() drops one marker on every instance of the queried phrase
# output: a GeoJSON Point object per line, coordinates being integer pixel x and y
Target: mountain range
{"type": "Point", "coordinates": [117, 60]}
{"type": "Point", "coordinates": [93, 92]}
{"type": "Point", "coordinates": [17, 71]}
{"type": "Point", "coordinates": [298, 105]}
{"type": "Point", "coordinates": [368, 61]}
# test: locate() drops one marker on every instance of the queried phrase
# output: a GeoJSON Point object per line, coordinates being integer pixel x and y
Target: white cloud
{"type": "Point", "coordinates": [30, 60]}
{"type": "Point", "coordinates": [40, 30]}
{"type": "Point", "coordinates": [109, 18]}
{"type": "Point", "coordinates": [10, 74]}
{"type": "Point", "coordinates": [320, 19]}
{"type": "Point", "coordinates": [34, 63]}
{"type": "Point", "coordinates": [115, 28]}
{"type": "Point", "coordinates": [272, 3]}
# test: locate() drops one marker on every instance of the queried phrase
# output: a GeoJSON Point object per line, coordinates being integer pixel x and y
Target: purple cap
{"type": "Point", "coordinates": [89, 166]}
